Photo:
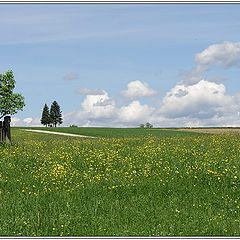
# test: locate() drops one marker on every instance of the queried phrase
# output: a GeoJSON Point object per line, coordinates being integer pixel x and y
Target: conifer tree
{"type": "Point", "coordinates": [45, 120]}
{"type": "Point", "coordinates": [55, 114]}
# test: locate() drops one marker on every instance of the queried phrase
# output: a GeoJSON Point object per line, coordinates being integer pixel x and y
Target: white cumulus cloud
{"type": "Point", "coordinates": [137, 89]}
{"type": "Point", "coordinates": [135, 113]}
{"type": "Point", "coordinates": [29, 121]}
{"type": "Point", "coordinates": [223, 55]}
{"type": "Point", "coordinates": [98, 106]}
{"type": "Point", "coordinates": [87, 91]}
{"type": "Point", "coordinates": [199, 100]}
{"type": "Point", "coordinates": [226, 54]}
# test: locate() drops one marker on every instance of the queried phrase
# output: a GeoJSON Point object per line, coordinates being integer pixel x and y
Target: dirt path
{"type": "Point", "coordinates": [58, 133]}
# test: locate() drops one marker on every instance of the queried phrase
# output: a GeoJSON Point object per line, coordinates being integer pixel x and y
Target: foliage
{"type": "Point", "coordinates": [55, 114]}
{"type": "Point", "coordinates": [45, 120]}
{"type": "Point", "coordinates": [10, 102]}
{"type": "Point", "coordinates": [148, 125]}
{"type": "Point", "coordinates": [173, 185]}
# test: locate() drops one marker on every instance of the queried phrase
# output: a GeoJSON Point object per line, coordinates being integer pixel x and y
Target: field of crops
{"type": "Point", "coordinates": [161, 184]}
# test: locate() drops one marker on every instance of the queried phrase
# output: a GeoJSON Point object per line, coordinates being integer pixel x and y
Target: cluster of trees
{"type": "Point", "coordinates": [52, 117]}
{"type": "Point", "coordinates": [73, 126]}
{"type": "Point", "coordinates": [146, 125]}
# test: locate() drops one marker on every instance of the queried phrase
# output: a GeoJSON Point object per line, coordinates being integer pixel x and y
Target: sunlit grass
{"type": "Point", "coordinates": [116, 132]}
{"type": "Point", "coordinates": [171, 185]}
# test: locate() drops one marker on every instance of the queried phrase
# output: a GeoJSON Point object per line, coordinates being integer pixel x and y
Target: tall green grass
{"type": "Point", "coordinates": [173, 185]}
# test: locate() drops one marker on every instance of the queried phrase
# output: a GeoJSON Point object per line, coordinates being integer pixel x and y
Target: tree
{"type": "Point", "coordinates": [73, 126]}
{"type": "Point", "coordinates": [10, 102]}
{"type": "Point", "coordinates": [141, 125]}
{"type": "Point", "coordinates": [45, 120]}
{"type": "Point", "coordinates": [55, 114]}
{"type": "Point", "coordinates": [148, 125]}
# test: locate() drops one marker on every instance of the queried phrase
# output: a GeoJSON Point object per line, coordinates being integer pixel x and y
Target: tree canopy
{"type": "Point", "coordinates": [45, 120]}
{"type": "Point", "coordinates": [55, 114]}
{"type": "Point", "coordinates": [146, 125]}
{"type": "Point", "coordinates": [10, 102]}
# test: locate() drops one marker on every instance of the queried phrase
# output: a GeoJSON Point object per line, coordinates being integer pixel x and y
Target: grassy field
{"type": "Point", "coordinates": [148, 183]}
{"type": "Point", "coordinates": [116, 132]}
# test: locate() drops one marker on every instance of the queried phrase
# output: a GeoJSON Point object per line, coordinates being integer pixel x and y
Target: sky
{"type": "Point", "coordinates": [120, 65]}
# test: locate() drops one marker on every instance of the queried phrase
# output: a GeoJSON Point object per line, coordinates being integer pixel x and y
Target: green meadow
{"type": "Point", "coordinates": [115, 132]}
{"type": "Point", "coordinates": [126, 182]}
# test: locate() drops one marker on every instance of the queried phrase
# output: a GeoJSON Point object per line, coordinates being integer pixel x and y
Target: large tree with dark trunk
{"type": "Point", "coordinates": [10, 102]}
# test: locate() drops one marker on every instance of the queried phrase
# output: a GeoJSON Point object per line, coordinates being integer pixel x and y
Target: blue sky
{"type": "Point", "coordinates": [123, 64]}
